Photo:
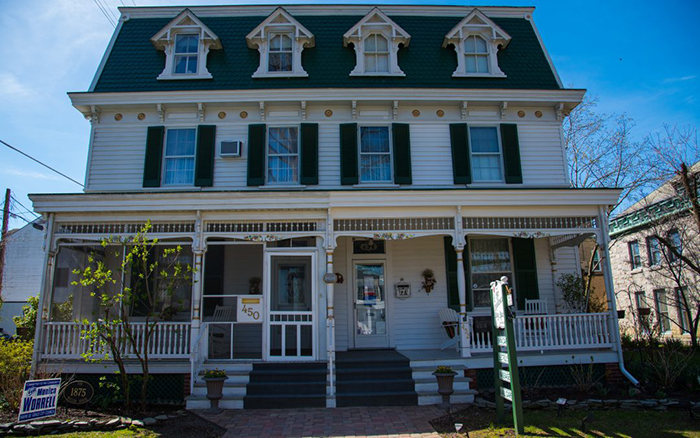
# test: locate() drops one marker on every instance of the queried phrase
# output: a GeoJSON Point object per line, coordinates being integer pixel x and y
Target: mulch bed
{"type": "Point", "coordinates": [186, 426]}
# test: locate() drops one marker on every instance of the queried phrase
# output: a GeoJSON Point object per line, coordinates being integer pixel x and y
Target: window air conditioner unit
{"type": "Point", "coordinates": [231, 148]}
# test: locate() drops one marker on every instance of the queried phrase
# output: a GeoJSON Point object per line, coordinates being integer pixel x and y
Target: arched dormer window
{"type": "Point", "coordinates": [186, 42]}
{"type": "Point", "coordinates": [376, 39]}
{"type": "Point", "coordinates": [477, 40]}
{"type": "Point", "coordinates": [280, 39]}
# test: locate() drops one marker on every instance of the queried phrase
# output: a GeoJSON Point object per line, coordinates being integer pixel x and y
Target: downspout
{"type": "Point", "coordinates": [610, 289]}
{"type": "Point", "coordinates": [45, 293]}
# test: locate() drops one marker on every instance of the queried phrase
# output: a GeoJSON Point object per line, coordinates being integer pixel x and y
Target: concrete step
{"type": "Point", "coordinates": [433, 386]}
{"type": "Point", "coordinates": [201, 402]}
{"type": "Point", "coordinates": [457, 397]}
{"type": "Point", "coordinates": [434, 363]}
{"type": "Point", "coordinates": [227, 391]}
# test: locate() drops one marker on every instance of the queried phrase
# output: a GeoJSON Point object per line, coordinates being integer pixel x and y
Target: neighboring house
{"type": "Point", "coordinates": [24, 261]}
{"type": "Point", "coordinates": [651, 284]}
{"type": "Point", "coordinates": [314, 161]}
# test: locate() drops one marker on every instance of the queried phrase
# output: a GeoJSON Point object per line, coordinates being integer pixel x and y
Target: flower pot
{"type": "Point", "coordinates": [215, 391]}
{"type": "Point", "coordinates": [445, 387]}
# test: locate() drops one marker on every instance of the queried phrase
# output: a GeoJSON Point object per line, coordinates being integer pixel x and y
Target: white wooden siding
{"type": "Point", "coordinates": [118, 152]}
{"type": "Point", "coordinates": [567, 263]}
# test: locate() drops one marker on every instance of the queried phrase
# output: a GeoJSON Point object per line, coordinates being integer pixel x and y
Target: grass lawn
{"type": "Point", "coordinates": [132, 431]}
{"type": "Point", "coordinates": [616, 424]}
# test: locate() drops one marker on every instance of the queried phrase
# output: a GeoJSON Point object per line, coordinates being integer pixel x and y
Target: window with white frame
{"type": "Point", "coordinates": [375, 154]}
{"type": "Point", "coordinates": [683, 319]}
{"type": "Point", "coordinates": [283, 155]}
{"type": "Point", "coordinates": [179, 156]}
{"type": "Point", "coordinates": [186, 42]}
{"type": "Point", "coordinates": [376, 54]}
{"type": "Point", "coordinates": [476, 54]}
{"type": "Point", "coordinates": [640, 301]}
{"type": "Point", "coordinates": [281, 53]}
{"type": "Point", "coordinates": [654, 250]}
{"type": "Point", "coordinates": [489, 260]}
{"type": "Point", "coordinates": [674, 238]}
{"type": "Point", "coordinates": [280, 40]}
{"type": "Point", "coordinates": [635, 256]}
{"type": "Point", "coordinates": [477, 40]}
{"type": "Point", "coordinates": [485, 154]}
{"type": "Point", "coordinates": [376, 40]}
{"type": "Point", "coordinates": [186, 53]}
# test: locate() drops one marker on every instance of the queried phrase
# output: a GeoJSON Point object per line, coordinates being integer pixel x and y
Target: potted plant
{"type": "Point", "coordinates": [254, 285]}
{"type": "Point", "coordinates": [215, 388]}
{"type": "Point", "coordinates": [428, 280]}
{"type": "Point", "coordinates": [446, 378]}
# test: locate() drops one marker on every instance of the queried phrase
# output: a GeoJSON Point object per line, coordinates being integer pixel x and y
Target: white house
{"type": "Point", "coordinates": [24, 261]}
{"type": "Point", "coordinates": [315, 161]}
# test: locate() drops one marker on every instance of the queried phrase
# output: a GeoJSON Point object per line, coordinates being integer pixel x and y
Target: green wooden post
{"type": "Point", "coordinates": [504, 337]}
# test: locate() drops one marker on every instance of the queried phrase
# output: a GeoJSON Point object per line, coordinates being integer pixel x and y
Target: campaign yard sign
{"type": "Point", "coordinates": [39, 399]}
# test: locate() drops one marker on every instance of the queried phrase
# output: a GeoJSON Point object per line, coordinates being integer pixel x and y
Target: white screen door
{"type": "Point", "coordinates": [370, 329]}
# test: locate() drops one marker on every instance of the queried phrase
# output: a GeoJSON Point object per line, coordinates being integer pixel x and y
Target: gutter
{"type": "Point", "coordinates": [611, 297]}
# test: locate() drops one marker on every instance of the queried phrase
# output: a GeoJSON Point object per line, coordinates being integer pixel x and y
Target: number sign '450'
{"type": "Point", "coordinates": [250, 309]}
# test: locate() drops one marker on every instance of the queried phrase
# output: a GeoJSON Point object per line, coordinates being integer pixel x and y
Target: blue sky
{"type": "Point", "coordinates": [638, 57]}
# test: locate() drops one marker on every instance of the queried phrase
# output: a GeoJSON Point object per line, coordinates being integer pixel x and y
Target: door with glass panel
{"type": "Point", "coordinates": [291, 307]}
{"type": "Point", "coordinates": [370, 304]}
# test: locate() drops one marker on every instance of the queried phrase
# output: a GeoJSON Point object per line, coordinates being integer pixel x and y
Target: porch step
{"type": "Point", "coordinates": [427, 387]}
{"type": "Point", "coordinates": [374, 378]}
{"type": "Point", "coordinates": [286, 385]}
{"type": "Point", "coordinates": [202, 402]}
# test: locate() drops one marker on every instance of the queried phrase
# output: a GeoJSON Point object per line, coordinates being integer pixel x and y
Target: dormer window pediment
{"type": "Point", "coordinates": [477, 40]}
{"type": "Point", "coordinates": [280, 39]}
{"type": "Point", "coordinates": [186, 42]}
{"type": "Point", "coordinates": [376, 39]}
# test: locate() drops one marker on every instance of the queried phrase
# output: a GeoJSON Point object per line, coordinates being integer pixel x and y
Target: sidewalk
{"type": "Point", "coordinates": [394, 421]}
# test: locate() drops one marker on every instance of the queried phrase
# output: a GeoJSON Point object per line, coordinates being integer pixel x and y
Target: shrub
{"type": "Point", "coordinates": [28, 319]}
{"type": "Point", "coordinates": [15, 365]}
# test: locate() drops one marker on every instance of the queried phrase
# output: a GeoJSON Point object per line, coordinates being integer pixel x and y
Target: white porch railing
{"type": "Point", "coordinates": [551, 332]}
{"type": "Point", "coordinates": [64, 340]}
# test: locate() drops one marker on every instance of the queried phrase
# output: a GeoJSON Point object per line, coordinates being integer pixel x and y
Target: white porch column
{"type": "Point", "coordinates": [608, 277]}
{"type": "Point", "coordinates": [462, 288]}
{"type": "Point", "coordinates": [198, 250]}
{"type": "Point", "coordinates": [45, 292]}
{"type": "Point", "coordinates": [330, 322]}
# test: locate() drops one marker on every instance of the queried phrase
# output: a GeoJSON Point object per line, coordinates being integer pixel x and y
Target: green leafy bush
{"type": "Point", "coordinates": [15, 364]}
{"type": "Point", "coordinates": [28, 319]}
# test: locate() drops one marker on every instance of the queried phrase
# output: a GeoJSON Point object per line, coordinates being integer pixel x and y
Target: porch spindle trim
{"type": "Point", "coordinates": [527, 223]}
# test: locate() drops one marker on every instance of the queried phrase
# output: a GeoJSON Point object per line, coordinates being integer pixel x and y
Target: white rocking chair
{"type": "Point", "coordinates": [449, 320]}
{"type": "Point", "coordinates": [536, 307]}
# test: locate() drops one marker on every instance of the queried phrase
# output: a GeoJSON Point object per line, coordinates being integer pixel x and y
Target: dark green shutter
{"type": "Point", "coordinates": [348, 154]}
{"type": "Point", "coordinates": [511, 153]}
{"type": "Point", "coordinates": [402, 153]}
{"type": "Point", "coordinates": [154, 156]}
{"type": "Point", "coordinates": [525, 271]}
{"type": "Point", "coordinates": [461, 167]}
{"type": "Point", "coordinates": [309, 153]}
{"type": "Point", "coordinates": [256, 155]}
{"type": "Point", "coordinates": [451, 270]}
{"type": "Point", "coordinates": [204, 167]}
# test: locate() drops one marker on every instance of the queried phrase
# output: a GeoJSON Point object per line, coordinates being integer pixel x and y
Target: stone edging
{"type": "Point", "coordinates": [598, 404]}
{"type": "Point", "coordinates": [42, 427]}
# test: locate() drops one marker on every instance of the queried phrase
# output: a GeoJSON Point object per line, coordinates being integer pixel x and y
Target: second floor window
{"type": "Point", "coordinates": [375, 154]}
{"type": "Point", "coordinates": [376, 54]}
{"type": "Point", "coordinates": [283, 155]}
{"type": "Point", "coordinates": [635, 257]}
{"type": "Point", "coordinates": [486, 154]}
{"type": "Point", "coordinates": [683, 319]}
{"type": "Point", "coordinates": [281, 52]}
{"type": "Point", "coordinates": [476, 55]}
{"type": "Point", "coordinates": [674, 238]}
{"type": "Point", "coordinates": [640, 301]}
{"type": "Point", "coordinates": [186, 52]}
{"type": "Point", "coordinates": [654, 249]}
{"type": "Point", "coordinates": [179, 157]}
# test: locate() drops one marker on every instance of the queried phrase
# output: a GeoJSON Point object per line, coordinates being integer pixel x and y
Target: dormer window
{"type": "Point", "coordinates": [376, 39]}
{"type": "Point", "coordinates": [186, 54]}
{"type": "Point", "coordinates": [281, 52]}
{"type": "Point", "coordinates": [477, 40]}
{"type": "Point", "coordinates": [476, 55]}
{"type": "Point", "coordinates": [186, 42]}
{"type": "Point", "coordinates": [280, 39]}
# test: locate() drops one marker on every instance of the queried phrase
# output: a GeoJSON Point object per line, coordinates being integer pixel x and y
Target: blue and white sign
{"type": "Point", "coordinates": [39, 399]}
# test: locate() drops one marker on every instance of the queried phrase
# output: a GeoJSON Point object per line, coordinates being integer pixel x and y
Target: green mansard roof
{"type": "Point", "coordinates": [134, 63]}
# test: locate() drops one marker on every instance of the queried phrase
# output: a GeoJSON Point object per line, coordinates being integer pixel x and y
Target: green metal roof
{"type": "Point", "coordinates": [134, 64]}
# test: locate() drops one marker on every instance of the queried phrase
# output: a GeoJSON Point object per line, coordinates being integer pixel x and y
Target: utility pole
{"type": "Point", "coordinates": [3, 237]}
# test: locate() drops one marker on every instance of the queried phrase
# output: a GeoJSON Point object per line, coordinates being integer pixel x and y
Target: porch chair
{"type": "Point", "coordinates": [449, 320]}
{"type": "Point", "coordinates": [219, 343]}
{"type": "Point", "coordinates": [536, 307]}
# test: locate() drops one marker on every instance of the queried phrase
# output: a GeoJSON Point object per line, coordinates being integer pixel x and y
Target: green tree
{"type": "Point", "coordinates": [28, 318]}
{"type": "Point", "coordinates": [151, 286]}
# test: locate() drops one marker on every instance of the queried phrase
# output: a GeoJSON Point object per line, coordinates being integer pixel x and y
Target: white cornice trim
{"type": "Point", "coordinates": [306, 200]}
{"type": "Point", "coordinates": [330, 10]}
{"type": "Point", "coordinates": [84, 100]}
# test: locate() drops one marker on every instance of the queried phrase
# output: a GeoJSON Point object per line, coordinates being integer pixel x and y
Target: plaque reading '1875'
{"type": "Point", "coordinates": [78, 392]}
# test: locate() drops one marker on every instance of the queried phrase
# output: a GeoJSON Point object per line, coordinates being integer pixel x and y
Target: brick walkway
{"type": "Point", "coordinates": [411, 421]}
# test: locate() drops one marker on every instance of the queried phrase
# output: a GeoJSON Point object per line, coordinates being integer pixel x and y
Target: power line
{"type": "Point", "coordinates": [20, 217]}
{"type": "Point", "coordinates": [21, 205]}
{"type": "Point", "coordinates": [104, 13]}
{"type": "Point", "coordinates": [108, 8]}
{"type": "Point", "coordinates": [45, 165]}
